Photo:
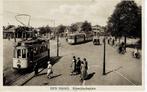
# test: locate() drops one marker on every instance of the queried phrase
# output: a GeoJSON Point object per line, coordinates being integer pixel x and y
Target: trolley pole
{"type": "Point", "coordinates": [104, 58]}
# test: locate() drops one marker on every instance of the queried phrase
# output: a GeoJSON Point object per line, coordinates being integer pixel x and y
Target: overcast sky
{"type": "Point", "coordinates": [62, 11]}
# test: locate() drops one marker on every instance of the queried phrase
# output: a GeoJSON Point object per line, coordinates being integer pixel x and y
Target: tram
{"type": "Point", "coordinates": [79, 37]}
{"type": "Point", "coordinates": [28, 52]}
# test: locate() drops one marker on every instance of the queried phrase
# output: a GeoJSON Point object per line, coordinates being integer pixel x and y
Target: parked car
{"type": "Point", "coordinates": [96, 40]}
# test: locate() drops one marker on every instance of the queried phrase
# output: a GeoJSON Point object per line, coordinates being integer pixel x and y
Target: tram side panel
{"type": "Point", "coordinates": [20, 63]}
{"type": "Point", "coordinates": [80, 38]}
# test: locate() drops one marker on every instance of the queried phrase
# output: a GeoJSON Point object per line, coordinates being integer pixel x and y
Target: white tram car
{"type": "Point", "coordinates": [79, 38]}
{"type": "Point", "coordinates": [29, 52]}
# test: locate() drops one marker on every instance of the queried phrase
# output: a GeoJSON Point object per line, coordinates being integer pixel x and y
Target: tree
{"type": "Point", "coordinates": [20, 30]}
{"type": "Point", "coordinates": [44, 30]}
{"type": "Point", "coordinates": [61, 28]}
{"type": "Point", "coordinates": [48, 29]}
{"type": "Point", "coordinates": [73, 28]}
{"type": "Point", "coordinates": [86, 27]}
{"type": "Point", "coordinates": [125, 20]}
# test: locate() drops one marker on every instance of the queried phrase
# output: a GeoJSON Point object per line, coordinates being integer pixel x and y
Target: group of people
{"type": "Point", "coordinates": [79, 67]}
{"type": "Point", "coordinates": [111, 41]}
{"type": "Point", "coordinates": [122, 48]}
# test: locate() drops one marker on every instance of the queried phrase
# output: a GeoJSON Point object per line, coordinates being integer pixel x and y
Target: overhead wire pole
{"type": "Point", "coordinates": [49, 36]}
{"type": "Point", "coordinates": [57, 33]}
{"type": "Point", "coordinates": [57, 37]}
{"type": "Point", "coordinates": [104, 56]}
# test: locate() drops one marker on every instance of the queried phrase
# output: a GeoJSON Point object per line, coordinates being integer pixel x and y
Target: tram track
{"type": "Point", "coordinates": [12, 76]}
{"type": "Point", "coordinates": [19, 78]}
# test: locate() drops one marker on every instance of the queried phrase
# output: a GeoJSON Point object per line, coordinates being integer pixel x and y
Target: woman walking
{"type": "Point", "coordinates": [84, 68]}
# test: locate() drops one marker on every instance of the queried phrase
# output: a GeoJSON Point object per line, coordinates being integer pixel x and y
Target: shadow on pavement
{"type": "Point", "coordinates": [41, 74]}
{"type": "Point", "coordinates": [108, 72]}
{"type": "Point", "coordinates": [55, 60]}
{"type": "Point", "coordinates": [89, 76]}
{"type": "Point", "coordinates": [45, 83]}
{"type": "Point", "coordinates": [81, 43]}
{"type": "Point", "coordinates": [56, 76]}
{"type": "Point", "coordinates": [113, 70]}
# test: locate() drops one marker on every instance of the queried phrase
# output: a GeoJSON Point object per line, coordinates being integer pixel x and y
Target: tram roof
{"type": "Point", "coordinates": [76, 34]}
{"type": "Point", "coordinates": [32, 42]}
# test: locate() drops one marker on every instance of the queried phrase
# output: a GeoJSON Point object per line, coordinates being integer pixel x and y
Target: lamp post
{"type": "Point", "coordinates": [104, 54]}
{"type": "Point", "coordinates": [104, 57]}
{"type": "Point", "coordinates": [57, 44]}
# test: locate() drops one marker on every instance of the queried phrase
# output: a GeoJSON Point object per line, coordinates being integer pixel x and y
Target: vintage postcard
{"type": "Point", "coordinates": [73, 45]}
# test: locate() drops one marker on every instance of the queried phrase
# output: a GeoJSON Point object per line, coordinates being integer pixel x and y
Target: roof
{"type": "Point", "coordinates": [10, 30]}
{"type": "Point", "coordinates": [76, 34]}
{"type": "Point", "coordinates": [32, 42]}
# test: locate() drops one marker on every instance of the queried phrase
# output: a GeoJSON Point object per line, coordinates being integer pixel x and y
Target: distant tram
{"type": "Point", "coordinates": [29, 52]}
{"type": "Point", "coordinates": [79, 38]}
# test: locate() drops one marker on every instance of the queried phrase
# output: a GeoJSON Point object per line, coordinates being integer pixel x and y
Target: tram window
{"type": "Point", "coordinates": [71, 37]}
{"type": "Point", "coordinates": [18, 53]}
{"type": "Point", "coordinates": [23, 53]}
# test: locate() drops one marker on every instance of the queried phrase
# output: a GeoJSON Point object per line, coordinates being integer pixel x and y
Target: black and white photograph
{"type": "Point", "coordinates": [73, 43]}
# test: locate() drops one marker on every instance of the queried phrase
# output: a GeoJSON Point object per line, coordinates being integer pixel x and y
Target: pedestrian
{"type": "Point", "coordinates": [73, 65]}
{"type": "Point", "coordinates": [49, 70]}
{"type": "Point", "coordinates": [78, 66]}
{"type": "Point", "coordinates": [4, 79]}
{"type": "Point", "coordinates": [113, 42]}
{"type": "Point", "coordinates": [108, 40]}
{"type": "Point", "coordinates": [83, 71]}
{"type": "Point", "coordinates": [86, 63]}
{"type": "Point", "coordinates": [123, 47]}
{"type": "Point", "coordinates": [36, 69]}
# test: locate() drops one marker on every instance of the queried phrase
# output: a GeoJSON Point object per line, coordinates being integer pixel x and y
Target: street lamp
{"type": "Point", "coordinates": [104, 56]}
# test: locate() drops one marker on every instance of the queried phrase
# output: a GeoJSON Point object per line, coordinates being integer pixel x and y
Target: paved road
{"type": "Point", "coordinates": [120, 69]}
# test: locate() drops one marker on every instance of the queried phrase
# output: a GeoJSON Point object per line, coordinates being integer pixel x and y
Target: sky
{"type": "Point", "coordinates": [66, 12]}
